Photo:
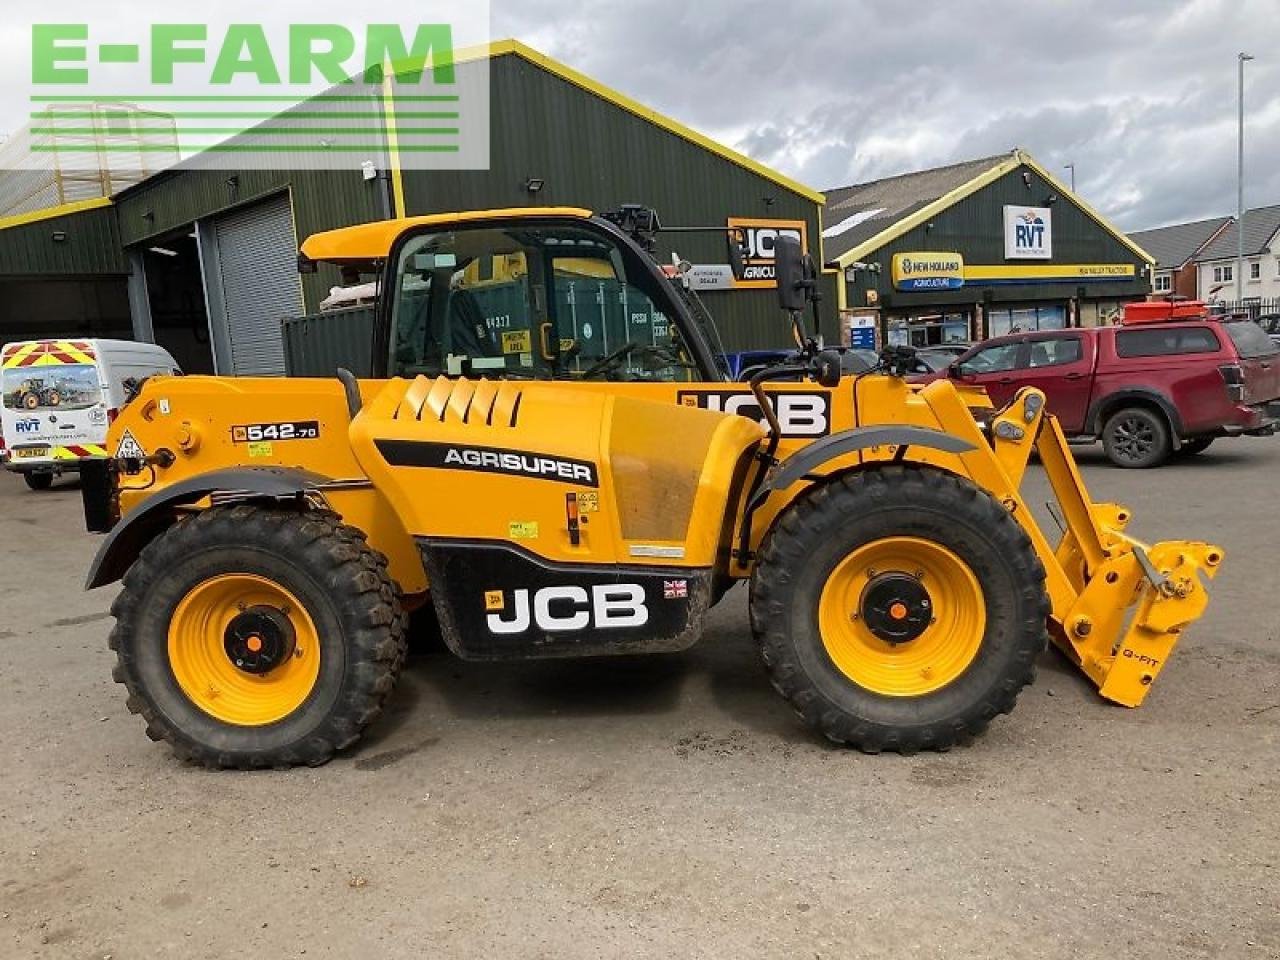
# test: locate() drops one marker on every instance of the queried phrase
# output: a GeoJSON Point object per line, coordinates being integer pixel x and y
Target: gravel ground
{"type": "Point", "coordinates": [662, 807]}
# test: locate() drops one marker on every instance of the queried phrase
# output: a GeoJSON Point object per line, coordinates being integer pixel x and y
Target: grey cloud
{"type": "Point", "coordinates": [1139, 95]}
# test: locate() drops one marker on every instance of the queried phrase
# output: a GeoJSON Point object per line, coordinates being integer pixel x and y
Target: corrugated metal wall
{"type": "Point", "coordinates": [317, 345]}
{"type": "Point", "coordinates": [92, 246]}
{"type": "Point", "coordinates": [974, 227]}
{"type": "Point", "coordinates": [587, 150]}
{"type": "Point", "coordinates": [321, 201]}
{"type": "Point", "coordinates": [592, 153]}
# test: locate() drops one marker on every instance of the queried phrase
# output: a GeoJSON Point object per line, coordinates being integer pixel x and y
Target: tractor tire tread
{"type": "Point", "coordinates": [339, 554]}
{"type": "Point", "coordinates": [785, 550]}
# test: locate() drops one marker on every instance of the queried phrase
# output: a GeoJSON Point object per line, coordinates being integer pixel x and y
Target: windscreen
{"type": "Point", "coordinates": [531, 301]}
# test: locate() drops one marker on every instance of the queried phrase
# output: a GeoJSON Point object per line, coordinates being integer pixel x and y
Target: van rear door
{"type": "Point", "coordinates": [1259, 360]}
{"type": "Point", "coordinates": [53, 401]}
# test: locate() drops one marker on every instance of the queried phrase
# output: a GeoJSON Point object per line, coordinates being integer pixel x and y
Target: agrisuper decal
{"type": "Point", "coordinates": [799, 414]}
{"type": "Point", "coordinates": [761, 237]}
{"type": "Point", "coordinates": [928, 271]}
{"type": "Point", "coordinates": [518, 463]}
{"type": "Point", "coordinates": [1028, 233]}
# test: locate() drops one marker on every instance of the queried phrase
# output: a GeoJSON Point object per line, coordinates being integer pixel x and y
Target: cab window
{"type": "Point", "coordinates": [1055, 351]}
{"type": "Point", "coordinates": [994, 359]}
{"type": "Point", "coordinates": [530, 302]}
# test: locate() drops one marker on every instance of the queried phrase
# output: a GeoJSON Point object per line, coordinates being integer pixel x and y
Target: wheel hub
{"type": "Point", "coordinates": [895, 607]}
{"type": "Point", "coordinates": [259, 639]}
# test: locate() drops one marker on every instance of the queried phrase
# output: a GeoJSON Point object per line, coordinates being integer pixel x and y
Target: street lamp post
{"type": "Point", "coordinates": [1241, 59]}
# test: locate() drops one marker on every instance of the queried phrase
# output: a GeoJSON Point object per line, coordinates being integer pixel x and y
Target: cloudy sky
{"type": "Point", "coordinates": [1139, 94]}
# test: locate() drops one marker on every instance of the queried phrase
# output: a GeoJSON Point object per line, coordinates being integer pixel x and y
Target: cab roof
{"type": "Point", "coordinates": [373, 241]}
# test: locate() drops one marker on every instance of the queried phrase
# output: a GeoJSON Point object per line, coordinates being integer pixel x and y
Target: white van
{"type": "Point", "coordinates": [61, 395]}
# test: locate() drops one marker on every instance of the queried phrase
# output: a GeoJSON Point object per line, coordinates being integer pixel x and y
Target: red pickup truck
{"type": "Point", "coordinates": [1147, 391]}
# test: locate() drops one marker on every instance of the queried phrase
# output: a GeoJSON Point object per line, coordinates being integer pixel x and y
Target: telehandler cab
{"type": "Point", "coordinates": [550, 456]}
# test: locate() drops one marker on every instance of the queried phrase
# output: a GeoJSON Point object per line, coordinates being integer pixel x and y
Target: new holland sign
{"type": "Point", "coordinates": [1028, 233]}
{"type": "Point", "coordinates": [928, 271]}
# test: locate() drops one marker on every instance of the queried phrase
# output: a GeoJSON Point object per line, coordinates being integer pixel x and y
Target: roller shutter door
{"type": "Point", "coordinates": [258, 263]}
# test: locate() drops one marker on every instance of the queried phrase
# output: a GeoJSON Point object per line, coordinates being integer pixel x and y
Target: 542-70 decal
{"type": "Point", "coordinates": [291, 430]}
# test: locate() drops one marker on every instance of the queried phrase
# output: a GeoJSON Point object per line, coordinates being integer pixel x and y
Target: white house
{"type": "Point", "coordinates": [1216, 263]}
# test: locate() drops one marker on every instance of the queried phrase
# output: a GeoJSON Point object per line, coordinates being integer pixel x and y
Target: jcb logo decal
{"type": "Point", "coordinates": [761, 240]}
{"type": "Point", "coordinates": [799, 414]}
{"type": "Point", "coordinates": [612, 606]}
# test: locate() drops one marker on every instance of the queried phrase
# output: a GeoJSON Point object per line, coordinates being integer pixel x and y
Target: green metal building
{"type": "Point", "coordinates": [973, 250]}
{"type": "Point", "coordinates": [204, 261]}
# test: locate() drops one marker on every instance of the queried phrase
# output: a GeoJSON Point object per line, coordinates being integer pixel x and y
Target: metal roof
{"type": "Point", "coordinates": [1260, 225]}
{"type": "Point", "coordinates": [862, 218]}
{"type": "Point", "coordinates": [857, 213]}
{"type": "Point", "coordinates": [1174, 245]}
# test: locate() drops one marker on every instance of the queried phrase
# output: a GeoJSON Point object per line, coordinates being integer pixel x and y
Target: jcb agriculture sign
{"type": "Point", "coordinates": [761, 237]}
{"type": "Point", "coordinates": [1028, 233]}
{"type": "Point", "coordinates": [331, 92]}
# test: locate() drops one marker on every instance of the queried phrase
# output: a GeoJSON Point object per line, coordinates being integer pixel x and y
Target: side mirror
{"type": "Point", "coordinates": [737, 252]}
{"type": "Point", "coordinates": [794, 272]}
{"type": "Point", "coordinates": [825, 368]}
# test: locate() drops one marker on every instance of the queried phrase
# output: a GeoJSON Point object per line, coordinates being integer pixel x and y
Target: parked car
{"type": "Point", "coordinates": [1270, 322]}
{"type": "Point", "coordinates": [953, 349]}
{"type": "Point", "coordinates": [735, 364]}
{"type": "Point", "coordinates": [1146, 391]}
{"type": "Point", "coordinates": [856, 360]}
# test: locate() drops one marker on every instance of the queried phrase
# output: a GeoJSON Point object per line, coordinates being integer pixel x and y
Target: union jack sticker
{"type": "Point", "coordinates": [675, 589]}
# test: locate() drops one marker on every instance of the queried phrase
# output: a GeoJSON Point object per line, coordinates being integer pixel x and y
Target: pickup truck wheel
{"type": "Point", "coordinates": [1136, 438]}
{"type": "Point", "coordinates": [899, 608]}
{"type": "Point", "coordinates": [249, 637]}
{"type": "Point", "coordinates": [38, 480]}
{"type": "Point", "coordinates": [1194, 446]}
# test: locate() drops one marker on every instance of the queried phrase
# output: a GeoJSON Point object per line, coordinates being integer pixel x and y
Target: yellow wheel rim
{"type": "Point", "coordinates": [859, 597]}
{"type": "Point", "coordinates": [243, 615]}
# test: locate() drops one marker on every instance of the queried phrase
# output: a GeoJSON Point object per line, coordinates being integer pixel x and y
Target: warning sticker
{"type": "Point", "coordinates": [588, 503]}
{"type": "Point", "coordinates": [517, 341]}
{"type": "Point", "coordinates": [523, 529]}
{"type": "Point", "coordinates": [493, 600]}
{"type": "Point", "coordinates": [129, 448]}
{"type": "Point", "coordinates": [260, 449]}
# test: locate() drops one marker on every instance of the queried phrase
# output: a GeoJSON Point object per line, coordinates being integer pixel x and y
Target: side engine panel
{"type": "Point", "coordinates": [555, 521]}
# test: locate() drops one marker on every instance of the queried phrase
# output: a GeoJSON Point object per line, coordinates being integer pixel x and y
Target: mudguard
{"type": "Point", "coordinates": [805, 461]}
{"type": "Point", "coordinates": [151, 517]}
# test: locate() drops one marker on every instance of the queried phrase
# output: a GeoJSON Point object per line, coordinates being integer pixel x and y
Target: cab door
{"type": "Point", "coordinates": [997, 367]}
{"type": "Point", "coordinates": [1060, 364]}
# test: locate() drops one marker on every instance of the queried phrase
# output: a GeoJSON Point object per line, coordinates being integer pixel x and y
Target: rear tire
{"type": "Point", "coordinates": [1137, 438]}
{"type": "Point", "coordinates": [1195, 446]}
{"type": "Point", "coordinates": [38, 481]}
{"type": "Point", "coordinates": [971, 659]}
{"type": "Point", "coordinates": [339, 612]}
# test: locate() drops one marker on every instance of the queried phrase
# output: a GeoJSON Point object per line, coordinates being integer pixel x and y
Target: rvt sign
{"type": "Point", "coordinates": [1028, 233]}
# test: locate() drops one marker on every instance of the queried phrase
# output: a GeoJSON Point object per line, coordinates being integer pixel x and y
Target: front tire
{"type": "Point", "coordinates": [899, 608]}
{"type": "Point", "coordinates": [250, 637]}
{"type": "Point", "coordinates": [1137, 438]}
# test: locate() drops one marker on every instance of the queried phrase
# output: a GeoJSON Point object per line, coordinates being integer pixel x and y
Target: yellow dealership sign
{"type": "Point", "coordinates": [1049, 273]}
{"type": "Point", "coordinates": [925, 271]}
{"type": "Point", "coordinates": [928, 271]}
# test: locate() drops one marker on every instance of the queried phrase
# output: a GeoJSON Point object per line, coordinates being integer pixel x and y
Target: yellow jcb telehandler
{"type": "Point", "coordinates": [550, 456]}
